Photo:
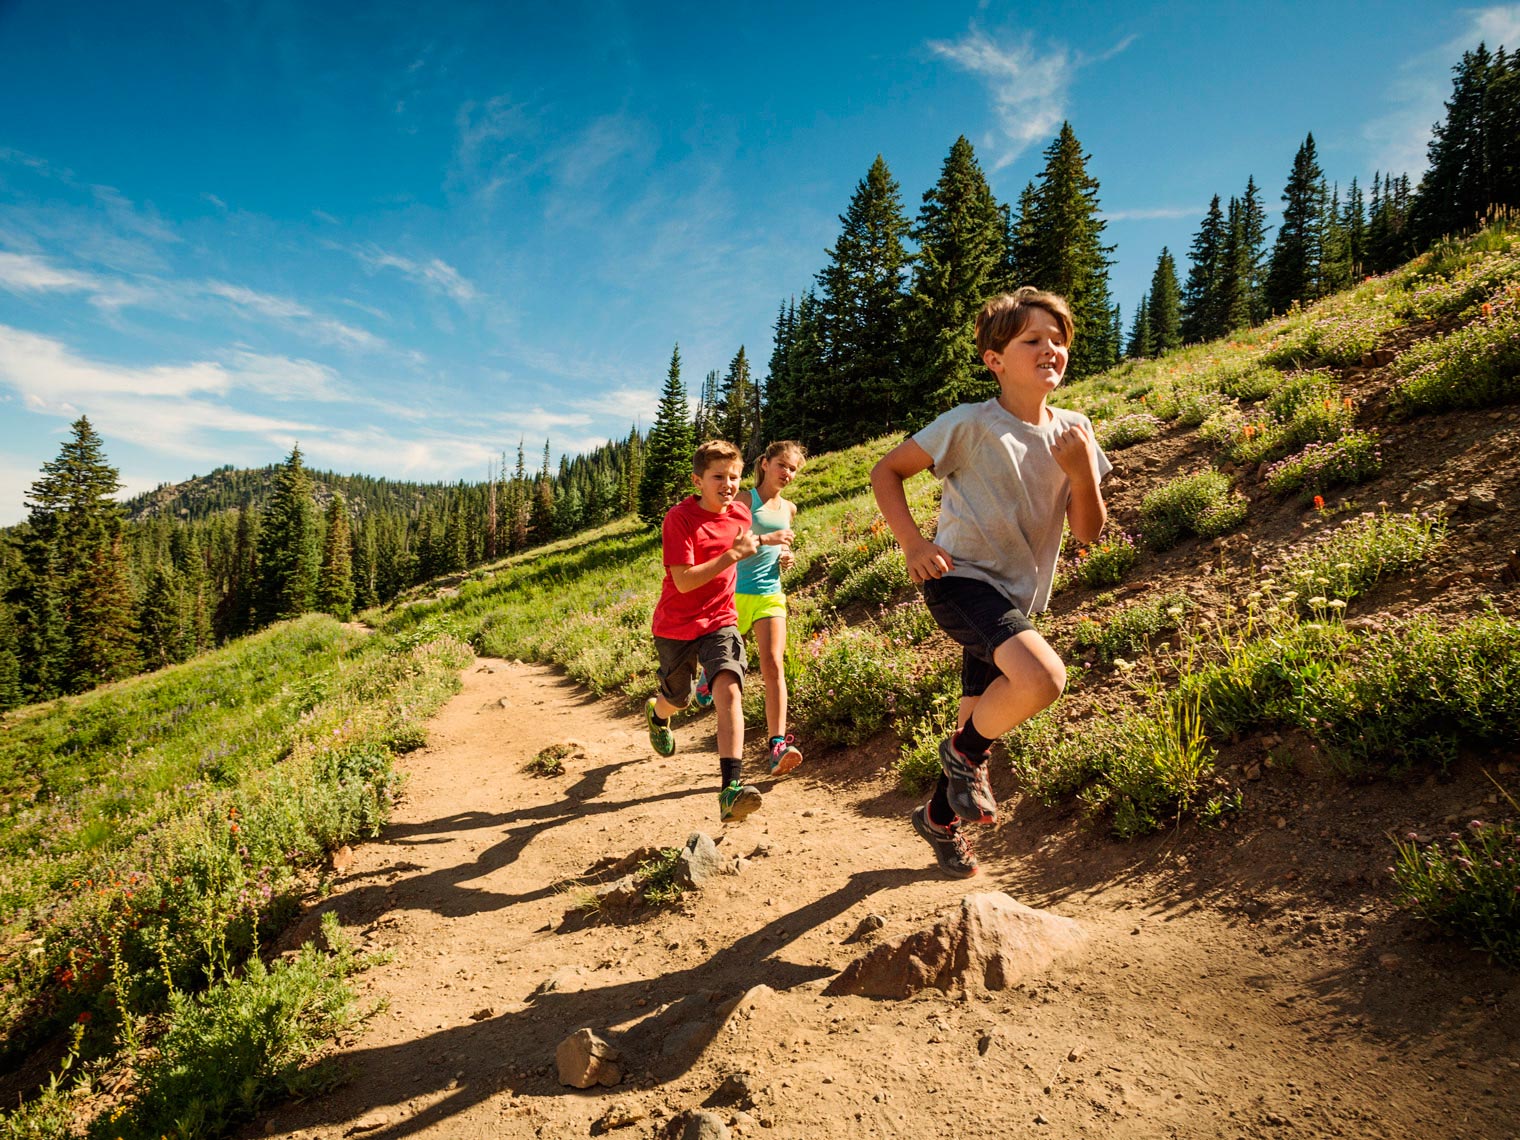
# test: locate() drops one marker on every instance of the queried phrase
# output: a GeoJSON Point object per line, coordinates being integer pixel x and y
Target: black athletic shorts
{"type": "Point", "coordinates": [721, 649]}
{"type": "Point", "coordinates": [979, 618]}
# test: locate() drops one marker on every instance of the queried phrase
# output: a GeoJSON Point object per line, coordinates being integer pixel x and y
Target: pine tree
{"type": "Point", "coordinates": [1335, 257]}
{"type": "Point", "coordinates": [735, 421]}
{"type": "Point", "coordinates": [667, 453]}
{"type": "Point", "coordinates": [366, 563]}
{"type": "Point", "coordinates": [235, 614]}
{"type": "Point", "coordinates": [1456, 192]}
{"type": "Point", "coordinates": [289, 556]}
{"type": "Point", "coordinates": [104, 643]}
{"type": "Point", "coordinates": [1142, 342]}
{"type": "Point", "coordinates": [1066, 253]}
{"type": "Point", "coordinates": [1354, 226]}
{"type": "Point", "coordinates": [960, 236]}
{"type": "Point", "coordinates": [335, 579]}
{"type": "Point", "coordinates": [158, 621]}
{"type": "Point", "coordinates": [1165, 315]}
{"type": "Point", "coordinates": [1294, 273]}
{"type": "Point", "coordinates": [1202, 296]}
{"type": "Point", "coordinates": [633, 474]}
{"type": "Point", "coordinates": [11, 692]}
{"type": "Point", "coordinates": [861, 307]}
{"type": "Point", "coordinates": [75, 632]}
{"type": "Point", "coordinates": [709, 405]}
{"type": "Point", "coordinates": [541, 517]}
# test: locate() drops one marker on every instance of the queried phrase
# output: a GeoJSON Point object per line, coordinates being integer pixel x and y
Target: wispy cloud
{"type": "Point", "coordinates": [1398, 140]}
{"type": "Point", "coordinates": [283, 310]}
{"type": "Point", "coordinates": [1152, 214]}
{"type": "Point", "coordinates": [435, 273]}
{"type": "Point", "coordinates": [1029, 84]}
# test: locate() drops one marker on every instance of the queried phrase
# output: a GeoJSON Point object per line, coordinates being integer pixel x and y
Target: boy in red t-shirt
{"type": "Point", "coordinates": [695, 623]}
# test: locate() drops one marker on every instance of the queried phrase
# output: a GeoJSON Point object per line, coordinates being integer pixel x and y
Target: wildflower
{"type": "Point", "coordinates": [84, 1018]}
{"type": "Point", "coordinates": [1174, 611]}
{"type": "Point", "coordinates": [1488, 310]}
{"type": "Point", "coordinates": [1319, 502]}
{"type": "Point", "coordinates": [1346, 403]}
{"type": "Point", "coordinates": [1317, 601]}
{"type": "Point", "coordinates": [1338, 604]}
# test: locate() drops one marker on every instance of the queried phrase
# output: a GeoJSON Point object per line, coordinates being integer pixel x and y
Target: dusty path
{"type": "Point", "coordinates": [1227, 989]}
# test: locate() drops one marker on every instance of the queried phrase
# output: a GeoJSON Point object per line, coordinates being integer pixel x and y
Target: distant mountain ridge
{"type": "Point", "coordinates": [229, 488]}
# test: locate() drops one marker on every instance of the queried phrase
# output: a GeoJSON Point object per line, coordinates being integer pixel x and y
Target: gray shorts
{"type": "Point", "coordinates": [722, 649]}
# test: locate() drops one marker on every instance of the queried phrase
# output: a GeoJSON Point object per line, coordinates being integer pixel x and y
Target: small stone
{"type": "Point", "coordinates": [1039, 1118]}
{"type": "Point", "coordinates": [619, 1115]}
{"type": "Point", "coordinates": [584, 1059]}
{"type": "Point", "coordinates": [483, 1014]}
{"type": "Point", "coordinates": [1390, 961]}
{"type": "Point", "coordinates": [1077, 1053]}
{"type": "Point", "coordinates": [1281, 823]}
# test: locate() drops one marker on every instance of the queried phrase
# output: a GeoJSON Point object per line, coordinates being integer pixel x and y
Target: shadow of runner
{"type": "Point", "coordinates": [472, 1063]}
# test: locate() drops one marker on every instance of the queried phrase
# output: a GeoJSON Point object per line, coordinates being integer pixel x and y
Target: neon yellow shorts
{"type": "Point", "coordinates": [753, 607]}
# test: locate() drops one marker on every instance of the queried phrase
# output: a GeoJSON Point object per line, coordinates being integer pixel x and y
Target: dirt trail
{"type": "Point", "coordinates": [1235, 984]}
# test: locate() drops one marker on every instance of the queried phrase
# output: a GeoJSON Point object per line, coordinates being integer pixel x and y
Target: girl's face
{"type": "Point", "coordinates": [781, 470]}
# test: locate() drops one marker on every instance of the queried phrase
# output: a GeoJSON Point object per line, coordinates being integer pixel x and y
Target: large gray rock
{"type": "Point", "coordinates": [697, 1125]}
{"type": "Point", "coordinates": [584, 1059]}
{"type": "Point", "coordinates": [990, 942]}
{"type": "Point", "coordinates": [699, 861]}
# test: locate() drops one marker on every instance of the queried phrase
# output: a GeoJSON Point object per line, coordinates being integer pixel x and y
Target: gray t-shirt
{"type": "Point", "coordinates": [1003, 499]}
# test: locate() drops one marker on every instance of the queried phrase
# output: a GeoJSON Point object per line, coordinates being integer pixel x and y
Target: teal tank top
{"type": "Point", "coordinates": [761, 573]}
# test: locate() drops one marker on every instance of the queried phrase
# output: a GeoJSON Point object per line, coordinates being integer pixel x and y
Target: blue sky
{"type": "Point", "coordinates": [408, 236]}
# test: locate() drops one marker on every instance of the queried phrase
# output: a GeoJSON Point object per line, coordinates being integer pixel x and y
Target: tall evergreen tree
{"type": "Point", "coordinates": [289, 556]}
{"type": "Point", "coordinates": [1066, 254]}
{"type": "Point", "coordinates": [1456, 192]}
{"type": "Point", "coordinates": [1202, 295]}
{"type": "Point", "coordinates": [77, 611]}
{"type": "Point", "coordinates": [1165, 314]}
{"type": "Point", "coordinates": [158, 622]}
{"type": "Point", "coordinates": [736, 420]}
{"type": "Point", "coordinates": [12, 693]}
{"type": "Point", "coordinates": [960, 235]}
{"type": "Point", "coordinates": [1335, 257]}
{"type": "Point", "coordinates": [1295, 270]}
{"type": "Point", "coordinates": [1354, 226]}
{"type": "Point", "coordinates": [667, 453]}
{"type": "Point", "coordinates": [861, 307]}
{"type": "Point", "coordinates": [104, 643]}
{"type": "Point", "coordinates": [335, 578]}
{"type": "Point", "coordinates": [708, 408]}
{"type": "Point", "coordinates": [633, 474]}
{"type": "Point", "coordinates": [1142, 341]}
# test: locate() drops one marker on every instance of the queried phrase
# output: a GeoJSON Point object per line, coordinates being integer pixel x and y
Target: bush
{"type": "Point", "coordinates": [1469, 886]}
{"type": "Point", "coordinates": [1353, 458]}
{"type": "Point", "coordinates": [1354, 557]}
{"type": "Point", "coordinates": [1125, 431]}
{"type": "Point", "coordinates": [1132, 630]}
{"type": "Point", "coordinates": [1200, 504]}
{"type": "Point", "coordinates": [1476, 366]}
{"type": "Point", "coordinates": [1102, 563]}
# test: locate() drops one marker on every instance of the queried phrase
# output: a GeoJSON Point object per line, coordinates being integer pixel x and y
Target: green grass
{"type": "Point", "coordinates": [200, 802]}
{"type": "Point", "coordinates": [1201, 504]}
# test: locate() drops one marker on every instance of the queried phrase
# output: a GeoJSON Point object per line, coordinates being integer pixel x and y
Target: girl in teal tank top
{"type": "Point", "coordinates": [757, 590]}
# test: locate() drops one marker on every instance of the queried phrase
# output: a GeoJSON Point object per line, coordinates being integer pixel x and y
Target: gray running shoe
{"type": "Point", "coordinates": [951, 848]}
{"type": "Point", "coordinates": [970, 793]}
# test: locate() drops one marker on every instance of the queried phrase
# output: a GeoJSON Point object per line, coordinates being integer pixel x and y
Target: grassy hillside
{"type": "Point", "coordinates": [1308, 569]}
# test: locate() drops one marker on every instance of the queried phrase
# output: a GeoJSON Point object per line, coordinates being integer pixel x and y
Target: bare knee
{"type": "Point", "coordinates": [1033, 668]}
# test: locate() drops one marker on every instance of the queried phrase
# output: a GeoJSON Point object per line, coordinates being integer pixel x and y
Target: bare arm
{"type": "Point", "coordinates": [1077, 454]}
{"type": "Point", "coordinates": [925, 560]}
{"type": "Point", "coordinates": [689, 578]}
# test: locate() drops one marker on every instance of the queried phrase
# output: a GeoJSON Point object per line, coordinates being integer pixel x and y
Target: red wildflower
{"type": "Point", "coordinates": [1319, 505]}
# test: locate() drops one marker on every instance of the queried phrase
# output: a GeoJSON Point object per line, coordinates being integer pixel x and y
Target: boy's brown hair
{"type": "Point", "coordinates": [714, 451]}
{"type": "Point", "coordinates": [1005, 316]}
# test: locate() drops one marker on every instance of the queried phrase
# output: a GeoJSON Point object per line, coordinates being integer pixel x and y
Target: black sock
{"type": "Point", "coordinates": [731, 769]}
{"type": "Point", "coordinates": [939, 811]}
{"type": "Point", "coordinates": [970, 743]}
{"type": "Point", "coordinates": [662, 721]}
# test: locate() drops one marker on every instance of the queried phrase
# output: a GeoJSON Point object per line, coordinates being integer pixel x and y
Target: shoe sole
{"type": "Point", "coordinates": [921, 825]}
{"type": "Point", "coordinates": [748, 801]}
{"type": "Point", "coordinates": [789, 760]}
{"type": "Point", "coordinates": [980, 816]}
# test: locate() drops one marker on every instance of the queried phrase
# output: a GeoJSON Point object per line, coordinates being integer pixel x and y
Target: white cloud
{"type": "Point", "coordinates": [1398, 141]}
{"type": "Point", "coordinates": [1153, 214]}
{"type": "Point", "coordinates": [1029, 84]}
{"type": "Point", "coordinates": [435, 274]}
{"type": "Point", "coordinates": [283, 310]}
{"type": "Point", "coordinates": [23, 273]}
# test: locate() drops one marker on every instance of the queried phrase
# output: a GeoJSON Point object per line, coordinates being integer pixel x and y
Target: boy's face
{"type": "Point", "coordinates": [1035, 359]}
{"type": "Point", "coordinates": [719, 484]}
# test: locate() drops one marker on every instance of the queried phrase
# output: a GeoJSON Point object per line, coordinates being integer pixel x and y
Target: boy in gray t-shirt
{"type": "Point", "coordinates": [1013, 471]}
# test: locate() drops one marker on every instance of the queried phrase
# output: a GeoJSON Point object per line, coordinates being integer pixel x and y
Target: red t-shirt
{"type": "Point", "coordinates": [690, 536]}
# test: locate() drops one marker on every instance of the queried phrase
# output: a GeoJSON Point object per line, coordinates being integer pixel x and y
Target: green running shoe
{"type": "Point", "coordinates": [736, 801]}
{"type": "Point", "coordinates": [661, 739]}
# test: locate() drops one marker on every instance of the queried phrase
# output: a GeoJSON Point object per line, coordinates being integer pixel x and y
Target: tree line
{"type": "Point", "coordinates": [1328, 240]}
{"type": "Point", "coordinates": [93, 590]}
